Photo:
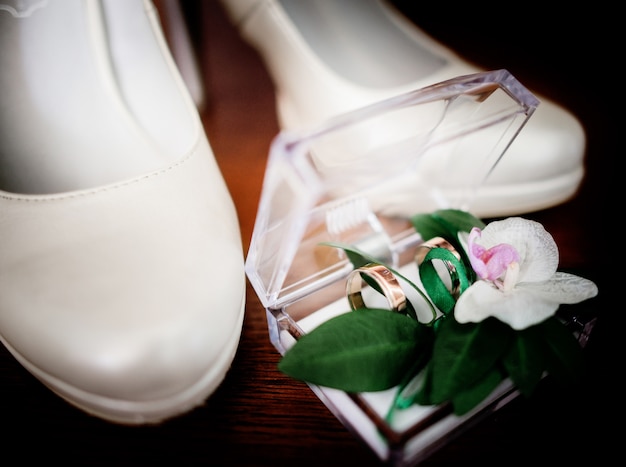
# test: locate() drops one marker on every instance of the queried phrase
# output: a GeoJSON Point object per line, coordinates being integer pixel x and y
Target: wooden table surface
{"type": "Point", "coordinates": [258, 416]}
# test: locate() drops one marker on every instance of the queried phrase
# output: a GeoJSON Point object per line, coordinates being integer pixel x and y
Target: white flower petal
{"type": "Point", "coordinates": [475, 304]}
{"type": "Point", "coordinates": [562, 288]}
{"type": "Point", "coordinates": [541, 257]}
{"type": "Point", "coordinates": [519, 308]}
{"type": "Point", "coordinates": [524, 310]}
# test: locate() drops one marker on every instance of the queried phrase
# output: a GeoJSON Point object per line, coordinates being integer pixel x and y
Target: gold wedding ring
{"type": "Point", "coordinates": [439, 242]}
{"type": "Point", "coordinates": [385, 279]}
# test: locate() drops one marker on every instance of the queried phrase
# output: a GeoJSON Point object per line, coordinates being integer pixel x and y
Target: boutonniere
{"type": "Point", "coordinates": [483, 310]}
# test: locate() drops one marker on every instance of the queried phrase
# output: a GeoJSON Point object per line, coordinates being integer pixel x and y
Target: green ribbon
{"type": "Point", "coordinates": [437, 289]}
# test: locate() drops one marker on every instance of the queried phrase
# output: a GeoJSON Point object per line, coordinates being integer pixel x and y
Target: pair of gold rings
{"type": "Point", "coordinates": [387, 282]}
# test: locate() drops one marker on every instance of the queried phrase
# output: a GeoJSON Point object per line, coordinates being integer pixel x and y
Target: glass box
{"type": "Point", "coordinates": [356, 179]}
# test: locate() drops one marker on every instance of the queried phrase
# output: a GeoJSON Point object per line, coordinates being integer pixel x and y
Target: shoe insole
{"type": "Point", "coordinates": [360, 42]}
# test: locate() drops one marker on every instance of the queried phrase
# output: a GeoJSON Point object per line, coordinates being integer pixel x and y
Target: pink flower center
{"type": "Point", "coordinates": [494, 264]}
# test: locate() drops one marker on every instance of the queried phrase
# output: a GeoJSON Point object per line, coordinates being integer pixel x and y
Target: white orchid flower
{"type": "Point", "coordinates": [516, 263]}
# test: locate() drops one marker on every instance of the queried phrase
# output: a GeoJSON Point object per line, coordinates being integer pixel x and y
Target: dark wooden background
{"type": "Point", "coordinates": [259, 417]}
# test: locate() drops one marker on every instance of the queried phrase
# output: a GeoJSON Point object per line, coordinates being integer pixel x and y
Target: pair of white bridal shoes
{"type": "Point", "coordinates": [328, 57]}
{"type": "Point", "coordinates": [122, 285]}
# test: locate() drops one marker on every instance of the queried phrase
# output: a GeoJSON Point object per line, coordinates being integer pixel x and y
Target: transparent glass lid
{"type": "Point", "coordinates": [356, 179]}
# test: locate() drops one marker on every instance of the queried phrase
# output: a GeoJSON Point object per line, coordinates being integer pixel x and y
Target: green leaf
{"type": "Point", "coordinates": [470, 397]}
{"type": "Point", "coordinates": [461, 220]}
{"type": "Point", "coordinates": [356, 257]}
{"type": "Point", "coordinates": [446, 223]}
{"type": "Point", "coordinates": [429, 227]}
{"type": "Point", "coordinates": [525, 360]}
{"type": "Point", "coordinates": [564, 357]}
{"type": "Point", "coordinates": [359, 351]}
{"type": "Point", "coordinates": [465, 353]}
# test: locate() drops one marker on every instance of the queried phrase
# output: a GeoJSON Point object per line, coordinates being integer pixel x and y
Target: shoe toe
{"type": "Point", "coordinates": [543, 167]}
{"type": "Point", "coordinates": [552, 143]}
{"type": "Point", "coordinates": [126, 300]}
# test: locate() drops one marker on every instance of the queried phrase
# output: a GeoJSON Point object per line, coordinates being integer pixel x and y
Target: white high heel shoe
{"type": "Point", "coordinates": [122, 285]}
{"type": "Point", "coordinates": [328, 57]}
